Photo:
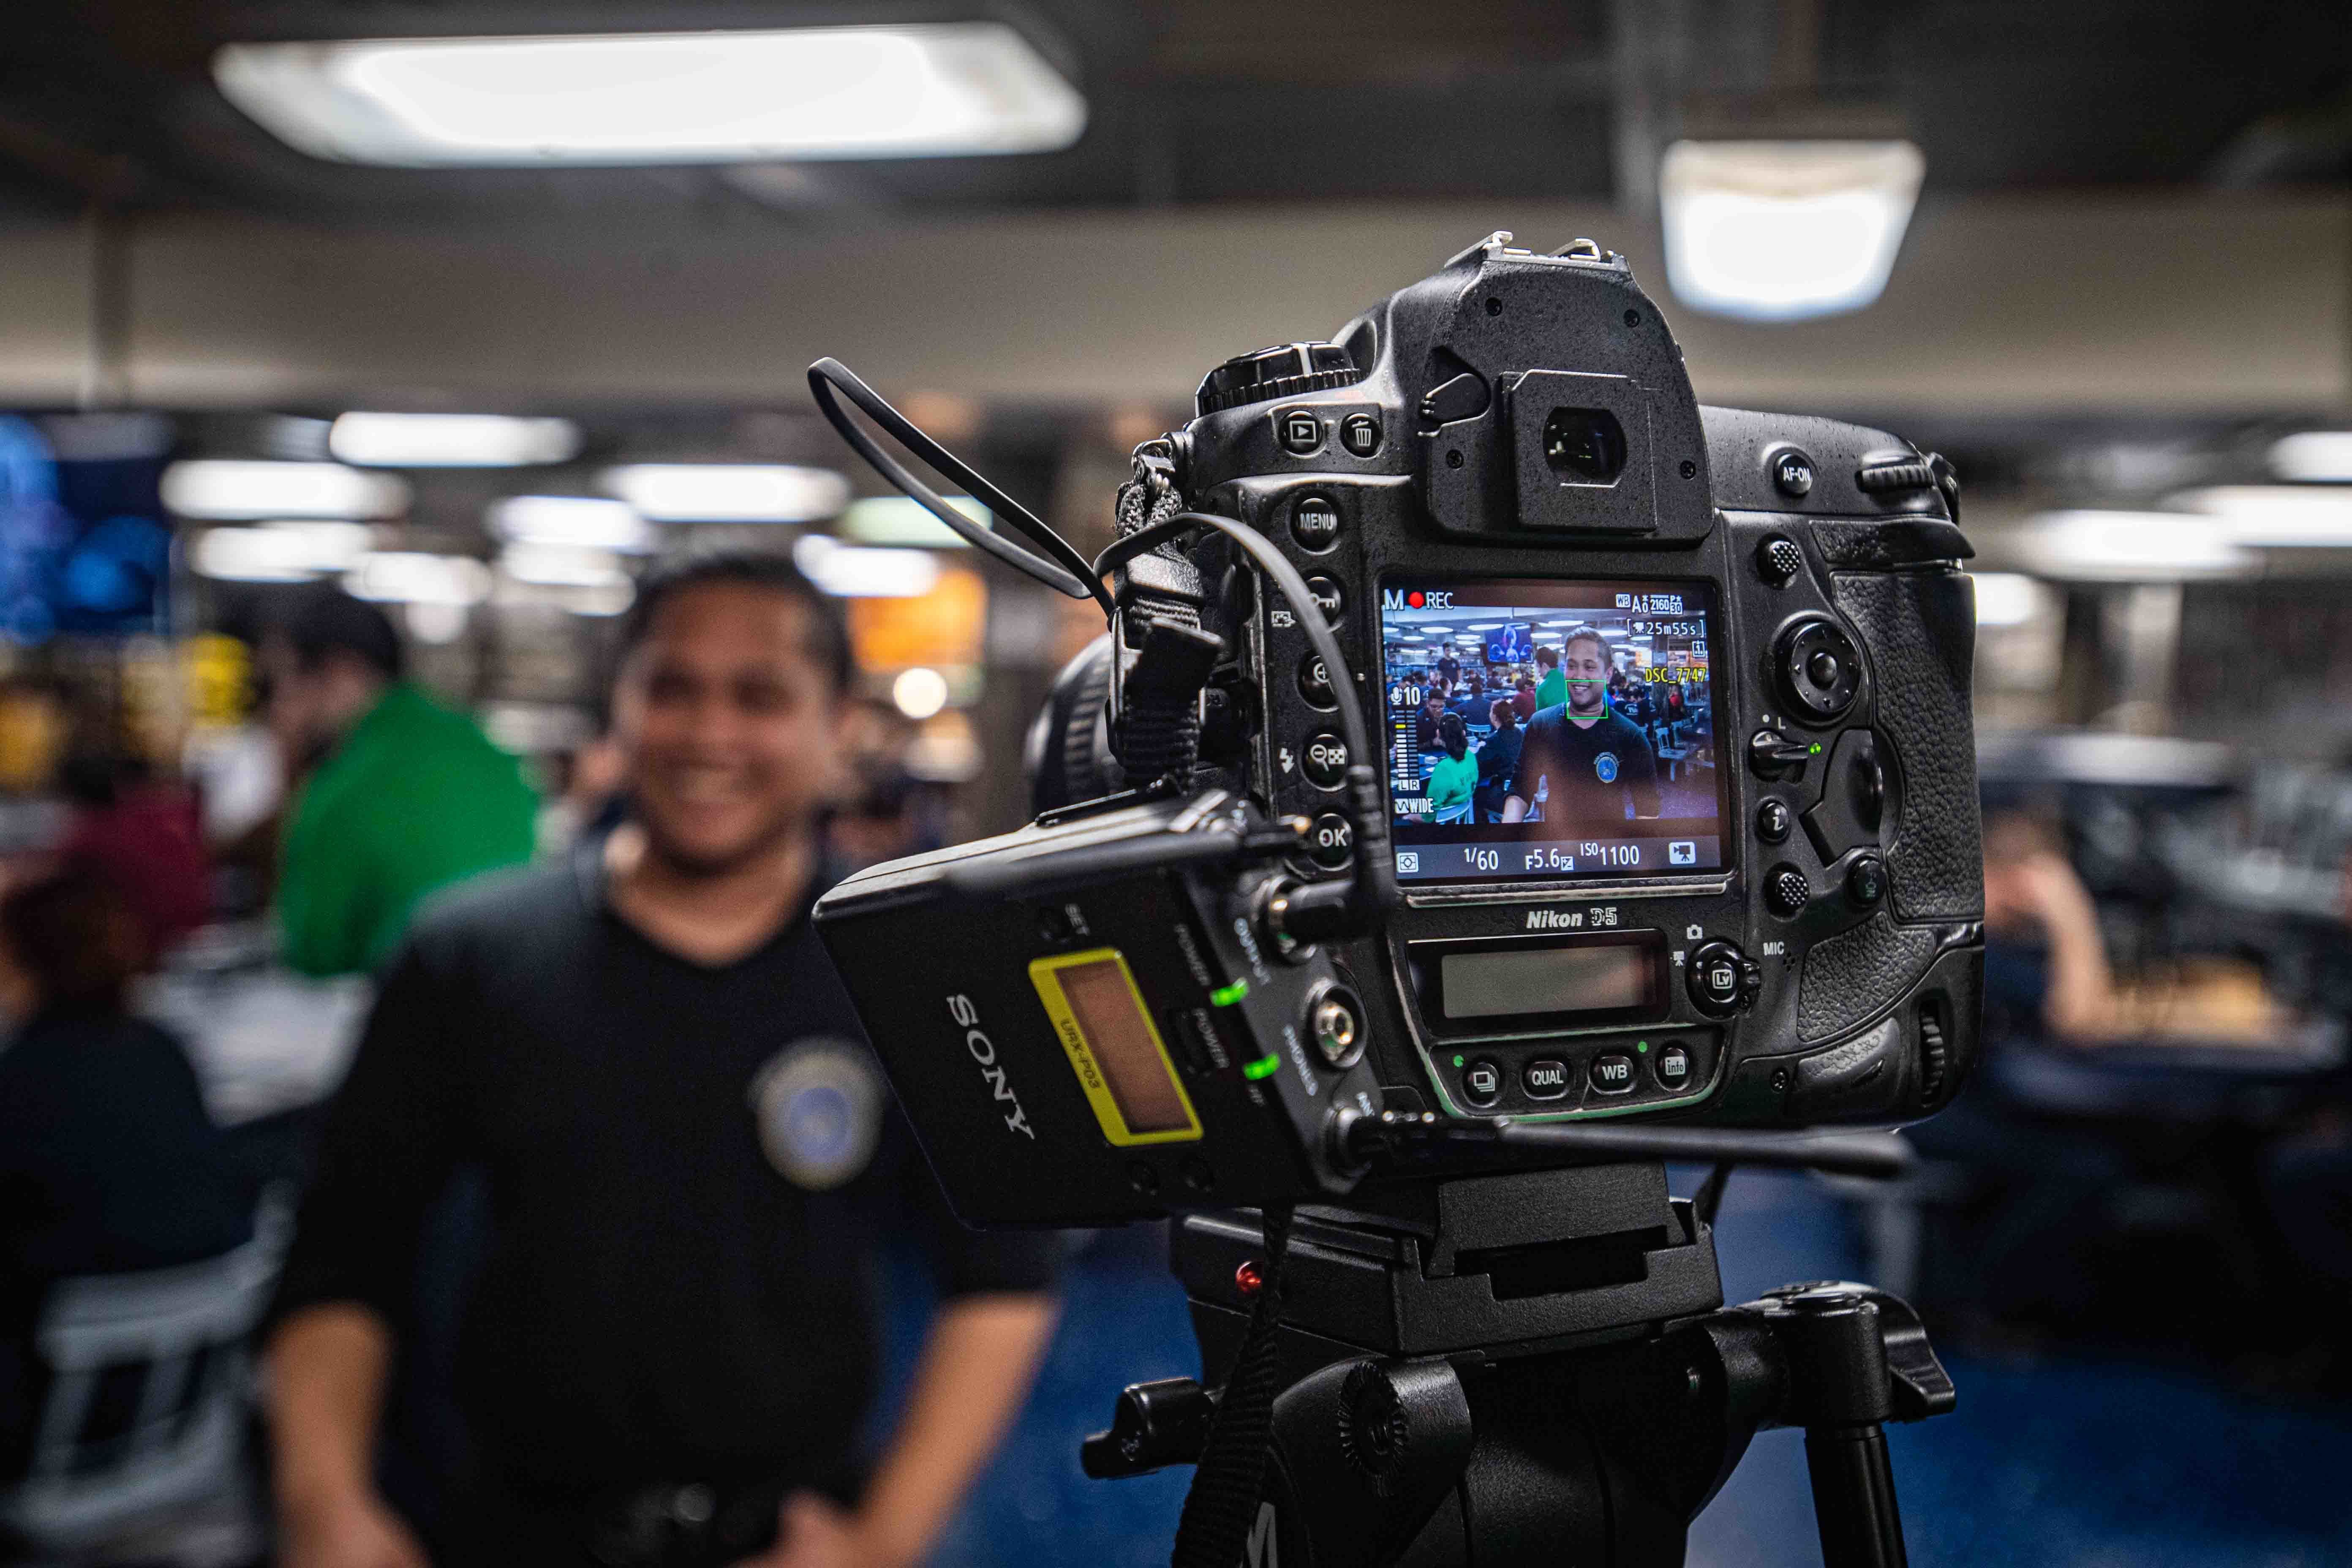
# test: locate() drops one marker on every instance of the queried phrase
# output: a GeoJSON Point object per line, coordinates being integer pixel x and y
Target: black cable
{"type": "Point", "coordinates": [1320, 908]}
{"type": "Point", "coordinates": [1065, 571]}
{"type": "Point", "coordinates": [1221, 1504]}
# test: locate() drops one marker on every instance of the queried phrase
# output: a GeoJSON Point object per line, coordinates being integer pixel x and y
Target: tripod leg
{"type": "Point", "coordinates": [1854, 1496]}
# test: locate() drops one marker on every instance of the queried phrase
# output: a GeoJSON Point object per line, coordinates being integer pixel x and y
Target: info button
{"type": "Point", "coordinates": [1544, 1078]}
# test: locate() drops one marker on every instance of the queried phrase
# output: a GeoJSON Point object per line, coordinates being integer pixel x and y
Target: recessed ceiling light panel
{"type": "Point", "coordinates": [950, 89]}
{"type": "Point", "coordinates": [1779, 231]}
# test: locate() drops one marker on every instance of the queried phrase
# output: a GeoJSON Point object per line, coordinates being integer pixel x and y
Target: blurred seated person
{"type": "Point", "coordinates": [403, 795]}
{"type": "Point", "coordinates": [1523, 698]}
{"type": "Point", "coordinates": [109, 1162]}
{"type": "Point", "coordinates": [1432, 708]}
{"type": "Point", "coordinates": [689, 1158]}
{"type": "Point", "coordinates": [585, 800]}
{"type": "Point", "coordinates": [883, 820]}
{"type": "Point", "coordinates": [1498, 758]}
{"type": "Point", "coordinates": [146, 836]}
{"type": "Point", "coordinates": [1455, 777]}
{"type": "Point", "coordinates": [2046, 974]}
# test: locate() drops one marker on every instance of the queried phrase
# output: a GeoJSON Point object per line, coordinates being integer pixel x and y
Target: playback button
{"type": "Point", "coordinates": [1482, 1082]}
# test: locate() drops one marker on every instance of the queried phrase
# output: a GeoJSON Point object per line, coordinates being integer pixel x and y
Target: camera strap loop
{"type": "Point", "coordinates": [1222, 1505]}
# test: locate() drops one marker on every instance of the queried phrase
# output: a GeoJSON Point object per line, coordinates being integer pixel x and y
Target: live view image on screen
{"type": "Point", "coordinates": [1551, 728]}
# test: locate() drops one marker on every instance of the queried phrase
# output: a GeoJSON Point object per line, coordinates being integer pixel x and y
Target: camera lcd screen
{"type": "Point", "coordinates": [1551, 728]}
{"type": "Point", "coordinates": [1613, 979]}
{"type": "Point", "coordinates": [1114, 1047]}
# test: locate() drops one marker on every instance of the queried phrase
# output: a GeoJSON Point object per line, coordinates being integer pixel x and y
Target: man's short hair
{"type": "Point", "coordinates": [1587, 633]}
{"type": "Point", "coordinates": [321, 620]}
{"type": "Point", "coordinates": [828, 629]}
{"type": "Point", "coordinates": [1547, 656]}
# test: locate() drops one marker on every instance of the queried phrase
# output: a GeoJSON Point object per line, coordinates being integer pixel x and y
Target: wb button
{"type": "Point", "coordinates": [1612, 1073]}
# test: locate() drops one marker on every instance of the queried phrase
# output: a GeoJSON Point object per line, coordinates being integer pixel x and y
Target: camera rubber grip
{"type": "Point", "coordinates": [1857, 973]}
{"type": "Point", "coordinates": [1921, 630]}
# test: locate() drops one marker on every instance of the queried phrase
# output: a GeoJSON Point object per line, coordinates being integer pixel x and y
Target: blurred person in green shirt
{"type": "Point", "coordinates": [1455, 776]}
{"type": "Point", "coordinates": [399, 795]}
{"type": "Point", "coordinates": [1551, 690]}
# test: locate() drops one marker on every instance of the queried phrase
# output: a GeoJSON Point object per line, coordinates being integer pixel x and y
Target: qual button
{"type": "Point", "coordinates": [1544, 1078]}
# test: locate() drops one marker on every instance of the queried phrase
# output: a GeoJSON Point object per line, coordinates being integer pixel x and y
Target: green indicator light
{"type": "Point", "coordinates": [1262, 1067]}
{"type": "Point", "coordinates": [1816, 749]}
{"type": "Point", "coordinates": [1458, 1061]}
{"type": "Point", "coordinates": [1226, 996]}
{"type": "Point", "coordinates": [1641, 1045]}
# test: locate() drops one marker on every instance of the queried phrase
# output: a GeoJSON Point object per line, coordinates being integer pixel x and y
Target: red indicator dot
{"type": "Point", "coordinates": [1414, 599]}
{"type": "Point", "coordinates": [1249, 1278]}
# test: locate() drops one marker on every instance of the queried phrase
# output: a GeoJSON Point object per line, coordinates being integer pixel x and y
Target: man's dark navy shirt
{"type": "Point", "coordinates": [659, 1302]}
{"type": "Point", "coordinates": [1595, 769]}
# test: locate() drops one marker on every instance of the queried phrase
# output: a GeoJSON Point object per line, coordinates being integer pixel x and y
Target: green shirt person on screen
{"type": "Point", "coordinates": [1551, 690]}
{"type": "Point", "coordinates": [403, 795]}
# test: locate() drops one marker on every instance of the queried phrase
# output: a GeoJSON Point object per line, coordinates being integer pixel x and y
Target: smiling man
{"type": "Point", "coordinates": [672, 1343]}
{"type": "Point", "coordinates": [1600, 767]}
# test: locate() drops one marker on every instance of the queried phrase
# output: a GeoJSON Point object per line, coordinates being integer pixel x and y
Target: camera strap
{"type": "Point", "coordinates": [1223, 1503]}
{"type": "Point", "coordinates": [1160, 596]}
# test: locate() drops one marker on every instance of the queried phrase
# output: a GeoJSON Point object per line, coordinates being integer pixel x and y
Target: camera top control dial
{"type": "Point", "coordinates": [1819, 668]}
{"type": "Point", "coordinates": [1285, 370]}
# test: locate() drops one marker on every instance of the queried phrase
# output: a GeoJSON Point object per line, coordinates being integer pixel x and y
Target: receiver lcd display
{"type": "Point", "coordinates": [1551, 728]}
{"type": "Point", "coordinates": [1113, 1047]}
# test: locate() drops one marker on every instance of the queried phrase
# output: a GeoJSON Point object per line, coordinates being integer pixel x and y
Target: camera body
{"type": "Point", "coordinates": [1720, 862]}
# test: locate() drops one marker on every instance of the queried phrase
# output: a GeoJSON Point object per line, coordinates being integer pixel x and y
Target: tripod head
{"type": "Point", "coordinates": [1527, 1367]}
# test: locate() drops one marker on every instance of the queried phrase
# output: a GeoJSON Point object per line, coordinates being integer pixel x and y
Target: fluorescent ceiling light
{"type": "Point", "coordinates": [728, 492]}
{"type": "Point", "coordinates": [237, 490]}
{"type": "Point", "coordinates": [2281, 516]}
{"type": "Point", "coordinates": [900, 520]}
{"type": "Point", "coordinates": [2006, 598]}
{"type": "Point", "coordinates": [2322, 456]}
{"type": "Point", "coordinates": [951, 89]}
{"type": "Point", "coordinates": [280, 551]}
{"type": "Point", "coordinates": [856, 573]}
{"type": "Point", "coordinates": [2131, 546]}
{"type": "Point", "coordinates": [584, 521]}
{"type": "Point", "coordinates": [1777, 231]}
{"type": "Point", "coordinates": [562, 566]}
{"type": "Point", "coordinates": [450, 440]}
{"type": "Point", "coordinates": [410, 577]}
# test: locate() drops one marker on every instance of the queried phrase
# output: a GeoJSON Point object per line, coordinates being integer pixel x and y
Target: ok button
{"type": "Point", "coordinates": [1544, 1078]}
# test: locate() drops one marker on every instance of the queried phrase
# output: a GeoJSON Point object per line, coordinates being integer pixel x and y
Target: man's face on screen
{"type": "Point", "coordinates": [1586, 665]}
{"type": "Point", "coordinates": [730, 731]}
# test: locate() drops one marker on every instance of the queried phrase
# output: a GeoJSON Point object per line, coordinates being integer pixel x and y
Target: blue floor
{"type": "Point", "coordinates": [2059, 1460]}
